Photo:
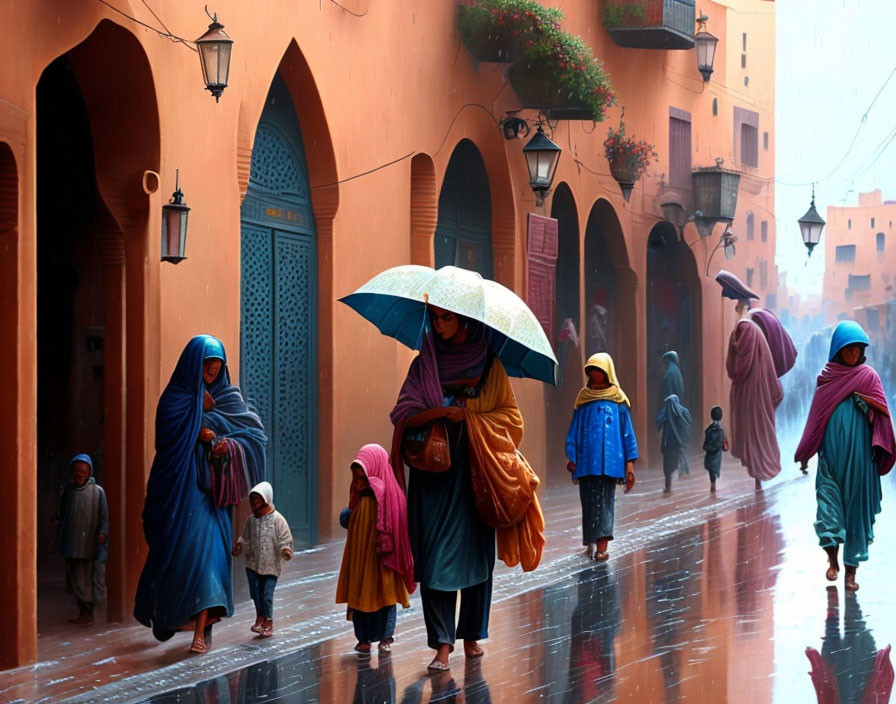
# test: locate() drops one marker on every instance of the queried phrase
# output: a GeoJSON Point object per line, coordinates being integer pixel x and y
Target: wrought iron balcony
{"type": "Point", "coordinates": [650, 24]}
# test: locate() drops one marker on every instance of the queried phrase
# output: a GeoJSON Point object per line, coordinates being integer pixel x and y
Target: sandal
{"type": "Point", "coordinates": [473, 653]}
{"type": "Point", "coordinates": [258, 625]}
{"type": "Point", "coordinates": [384, 647]}
{"type": "Point", "coordinates": [850, 580]}
{"type": "Point", "coordinates": [198, 647]}
{"type": "Point", "coordinates": [602, 557]}
{"type": "Point", "coordinates": [438, 666]}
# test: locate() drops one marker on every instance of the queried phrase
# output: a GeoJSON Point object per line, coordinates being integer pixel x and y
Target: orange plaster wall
{"type": "Point", "coordinates": [393, 83]}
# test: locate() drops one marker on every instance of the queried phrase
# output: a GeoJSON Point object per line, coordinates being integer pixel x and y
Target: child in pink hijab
{"type": "Point", "coordinates": [377, 570]}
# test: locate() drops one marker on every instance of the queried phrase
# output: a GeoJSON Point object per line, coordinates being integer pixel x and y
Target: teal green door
{"type": "Point", "coordinates": [278, 357]}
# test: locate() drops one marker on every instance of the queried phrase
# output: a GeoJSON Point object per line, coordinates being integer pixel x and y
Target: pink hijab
{"type": "Point", "coordinates": [392, 543]}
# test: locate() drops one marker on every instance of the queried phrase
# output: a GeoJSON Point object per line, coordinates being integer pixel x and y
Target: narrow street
{"type": "Point", "coordinates": [705, 599]}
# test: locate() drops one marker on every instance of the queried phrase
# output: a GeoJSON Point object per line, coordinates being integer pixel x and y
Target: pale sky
{"type": "Point", "coordinates": [832, 58]}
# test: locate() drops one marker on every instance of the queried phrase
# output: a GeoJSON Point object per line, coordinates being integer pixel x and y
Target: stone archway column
{"type": "Point", "coordinates": [325, 203]}
{"type": "Point", "coordinates": [112, 255]}
{"type": "Point", "coordinates": [630, 365]}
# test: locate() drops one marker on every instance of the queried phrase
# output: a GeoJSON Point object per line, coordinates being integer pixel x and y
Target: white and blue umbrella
{"type": "Point", "coordinates": [395, 301]}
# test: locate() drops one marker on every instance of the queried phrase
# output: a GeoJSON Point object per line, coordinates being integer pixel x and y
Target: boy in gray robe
{"type": "Point", "coordinates": [82, 530]}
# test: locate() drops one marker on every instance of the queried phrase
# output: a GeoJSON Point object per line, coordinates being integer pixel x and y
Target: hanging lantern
{"type": "Point", "coordinates": [542, 156]}
{"type": "Point", "coordinates": [214, 54]}
{"type": "Point", "coordinates": [705, 44]}
{"type": "Point", "coordinates": [811, 225]}
{"type": "Point", "coordinates": [174, 225]}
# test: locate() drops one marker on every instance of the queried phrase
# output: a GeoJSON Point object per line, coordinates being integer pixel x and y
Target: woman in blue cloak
{"type": "Point", "coordinates": [210, 447]}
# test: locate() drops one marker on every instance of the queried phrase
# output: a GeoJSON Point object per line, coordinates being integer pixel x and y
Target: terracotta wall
{"type": "Point", "coordinates": [852, 226]}
{"type": "Point", "coordinates": [391, 85]}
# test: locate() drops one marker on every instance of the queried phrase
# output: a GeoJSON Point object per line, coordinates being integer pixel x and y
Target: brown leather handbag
{"type": "Point", "coordinates": [427, 447]}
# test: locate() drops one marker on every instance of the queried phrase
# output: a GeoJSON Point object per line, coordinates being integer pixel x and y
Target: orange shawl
{"type": "Point", "coordinates": [504, 483]}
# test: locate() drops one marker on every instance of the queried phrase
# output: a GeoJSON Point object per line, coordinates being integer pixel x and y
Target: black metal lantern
{"type": "Point", "coordinates": [715, 196]}
{"type": "Point", "coordinates": [542, 156]}
{"type": "Point", "coordinates": [214, 54]}
{"type": "Point", "coordinates": [174, 225]}
{"type": "Point", "coordinates": [811, 225]}
{"type": "Point", "coordinates": [705, 44]}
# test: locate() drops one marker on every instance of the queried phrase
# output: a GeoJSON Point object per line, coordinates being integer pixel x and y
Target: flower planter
{"type": "Point", "coordinates": [650, 24]}
{"type": "Point", "coordinates": [484, 45]}
{"type": "Point", "coordinates": [537, 88]}
{"type": "Point", "coordinates": [625, 172]}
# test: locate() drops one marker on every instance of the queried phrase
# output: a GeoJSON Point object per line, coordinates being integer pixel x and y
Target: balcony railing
{"type": "Point", "coordinates": [650, 24]}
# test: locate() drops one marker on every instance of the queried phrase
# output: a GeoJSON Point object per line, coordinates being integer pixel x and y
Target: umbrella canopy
{"type": "Point", "coordinates": [395, 301]}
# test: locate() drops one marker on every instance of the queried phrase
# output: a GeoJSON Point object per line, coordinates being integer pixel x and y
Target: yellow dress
{"type": "Point", "coordinates": [364, 583]}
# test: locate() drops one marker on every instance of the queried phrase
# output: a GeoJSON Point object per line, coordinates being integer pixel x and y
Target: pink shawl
{"type": "Point", "coordinates": [780, 343]}
{"type": "Point", "coordinates": [835, 383]}
{"type": "Point", "coordinates": [392, 543]}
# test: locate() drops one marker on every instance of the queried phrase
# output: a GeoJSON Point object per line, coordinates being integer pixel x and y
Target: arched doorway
{"type": "Point", "coordinates": [673, 317]}
{"type": "Point", "coordinates": [567, 312]}
{"type": "Point", "coordinates": [601, 292]}
{"type": "Point", "coordinates": [464, 228]}
{"type": "Point", "coordinates": [71, 221]}
{"type": "Point", "coordinates": [278, 365]}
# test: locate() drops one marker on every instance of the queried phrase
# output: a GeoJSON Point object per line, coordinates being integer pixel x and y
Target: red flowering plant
{"type": "Point", "coordinates": [551, 53]}
{"type": "Point", "coordinates": [500, 29]}
{"type": "Point", "coordinates": [628, 154]}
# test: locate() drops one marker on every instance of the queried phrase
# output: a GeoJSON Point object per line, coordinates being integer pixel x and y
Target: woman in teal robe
{"type": "Point", "coordinates": [849, 426]}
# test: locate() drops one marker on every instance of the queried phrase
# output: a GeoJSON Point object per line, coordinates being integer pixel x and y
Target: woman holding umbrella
{"type": "Point", "coordinates": [457, 382]}
{"type": "Point", "coordinates": [471, 493]}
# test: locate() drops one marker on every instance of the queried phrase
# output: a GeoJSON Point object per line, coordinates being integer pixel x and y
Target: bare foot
{"type": "Point", "coordinates": [850, 580]}
{"type": "Point", "coordinates": [758, 485]}
{"type": "Point", "coordinates": [712, 488]}
{"type": "Point", "coordinates": [472, 649]}
{"type": "Point", "coordinates": [198, 646]}
{"type": "Point", "coordinates": [363, 648]}
{"type": "Point", "coordinates": [590, 550]}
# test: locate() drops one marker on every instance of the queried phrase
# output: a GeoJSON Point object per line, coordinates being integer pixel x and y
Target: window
{"type": "Point", "coordinates": [746, 135]}
{"type": "Point", "coordinates": [743, 60]}
{"type": "Point", "coordinates": [872, 222]}
{"type": "Point", "coordinates": [764, 230]}
{"type": "Point", "coordinates": [849, 224]}
{"type": "Point", "coordinates": [845, 253]}
{"type": "Point", "coordinates": [745, 41]}
{"type": "Point", "coordinates": [749, 276]}
{"type": "Point", "coordinates": [763, 275]}
{"type": "Point", "coordinates": [859, 283]}
{"type": "Point", "coordinates": [679, 148]}
{"type": "Point", "coordinates": [765, 141]}
{"type": "Point", "coordinates": [881, 243]}
{"type": "Point", "coordinates": [750, 227]}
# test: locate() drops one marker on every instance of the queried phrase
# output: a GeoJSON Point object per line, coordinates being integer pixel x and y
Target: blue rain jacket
{"type": "Point", "coordinates": [601, 439]}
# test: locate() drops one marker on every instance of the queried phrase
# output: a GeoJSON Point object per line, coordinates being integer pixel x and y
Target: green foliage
{"type": "Point", "coordinates": [568, 63]}
{"type": "Point", "coordinates": [624, 14]}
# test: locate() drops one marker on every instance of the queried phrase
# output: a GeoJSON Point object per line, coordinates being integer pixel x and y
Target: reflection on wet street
{"type": "Point", "coordinates": [733, 609]}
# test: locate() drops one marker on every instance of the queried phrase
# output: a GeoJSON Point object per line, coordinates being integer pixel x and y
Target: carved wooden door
{"type": "Point", "coordinates": [278, 361]}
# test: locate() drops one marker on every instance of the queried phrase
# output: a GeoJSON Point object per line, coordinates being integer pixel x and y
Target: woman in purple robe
{"type": "Point", "coordinates": [755, 394]}
{"type": "Point", "coordinates": [849, 426]}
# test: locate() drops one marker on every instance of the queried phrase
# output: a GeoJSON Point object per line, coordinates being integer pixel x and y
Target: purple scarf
{"type": "Point", "coordinates": [779, 341]}
{"type": "Point", "coordinates": [438, 363]}
{"type": "Point", "coordinates": [835, 383]}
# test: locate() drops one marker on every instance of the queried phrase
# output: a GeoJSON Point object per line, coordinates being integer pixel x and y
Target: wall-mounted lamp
{"type": "Point", "coordinates": [174, 225]}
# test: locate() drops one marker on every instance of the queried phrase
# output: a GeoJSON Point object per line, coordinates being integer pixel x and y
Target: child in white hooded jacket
{"type": "Point", "coordinates": [267, 539]}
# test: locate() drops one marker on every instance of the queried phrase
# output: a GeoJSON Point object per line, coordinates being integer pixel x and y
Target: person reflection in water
{"type": "Point", "coordinates": [595, 624]}
{"type": "Point", "coordinates": [849, 669]}
{"type": "Point", "coordinates": [850, 428]}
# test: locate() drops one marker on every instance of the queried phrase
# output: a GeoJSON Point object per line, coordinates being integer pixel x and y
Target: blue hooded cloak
{"type": "Point", "coordinates": [188, 568]}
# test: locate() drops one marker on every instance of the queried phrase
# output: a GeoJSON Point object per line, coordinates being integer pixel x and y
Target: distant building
{"type": "Point", "coordinates": [860, 257]}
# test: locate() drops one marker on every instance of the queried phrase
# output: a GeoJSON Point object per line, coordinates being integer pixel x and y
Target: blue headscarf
{"type": "Point", "coordinates": [849, 332]}
{"type": "Point", "coordinates": [188, 566]}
